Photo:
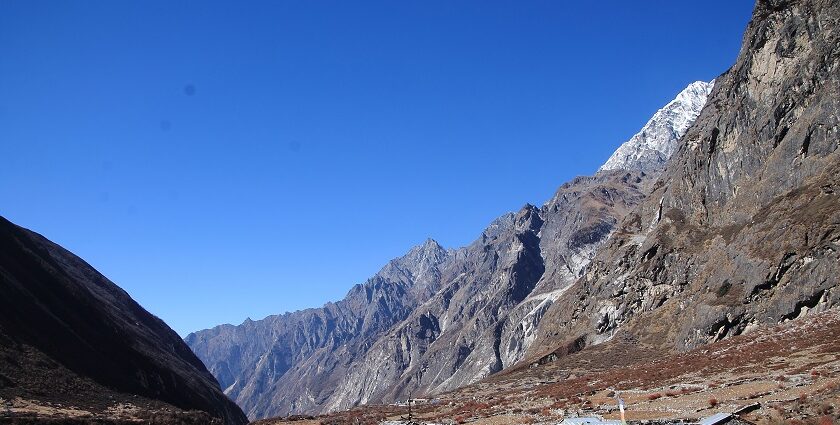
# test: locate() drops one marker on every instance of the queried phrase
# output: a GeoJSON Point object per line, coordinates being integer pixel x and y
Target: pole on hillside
{"type": "Point", "coordinates": [621, 407]}
{"type": "Point", "coordinates": [409, 406]}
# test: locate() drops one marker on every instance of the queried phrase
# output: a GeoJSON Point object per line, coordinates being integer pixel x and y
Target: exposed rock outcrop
{"type": "Point", "coordinates": [742, 227]}
{"type": "Point", "coordinates": [739, 229]}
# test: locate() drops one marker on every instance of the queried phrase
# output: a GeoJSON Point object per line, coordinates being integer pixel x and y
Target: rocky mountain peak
{"type": "Point", "coordinates": [431, 247]}
{"type": "Point", "coordinates": [648, 149]}
{"type": "Point", "coordinates": [498, 226]}
{"type": "Point", "coordinates": [627, 253]}
{"type": "Point", "coordinates": [528, 218]}
{"type": "Point", "coordinates": [421, 257]}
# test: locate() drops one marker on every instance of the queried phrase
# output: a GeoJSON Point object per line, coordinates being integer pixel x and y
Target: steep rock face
{"type": "Point", "coordinates": [438, 338]}
{"type": "Point", "coordinates": [656, 142]}
{"type": "Point", "coordinates": [66, 329]}
{"type": "Point", "coordinates": [742, 227]}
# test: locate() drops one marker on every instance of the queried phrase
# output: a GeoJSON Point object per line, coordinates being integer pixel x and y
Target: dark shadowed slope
{"type": "Point", "coordinates": [69, 335]}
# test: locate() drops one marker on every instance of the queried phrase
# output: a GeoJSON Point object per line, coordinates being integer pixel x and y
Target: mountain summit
{"type": "Point", "coordinates": [648, 149]}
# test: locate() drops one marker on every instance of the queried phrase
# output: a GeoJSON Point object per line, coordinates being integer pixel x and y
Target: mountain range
{"type": "Point", "coordinates": [718, 217]}
{"type": "Point", "coordinates": [437, 319]}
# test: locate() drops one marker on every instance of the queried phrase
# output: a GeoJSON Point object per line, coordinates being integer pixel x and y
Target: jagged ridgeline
{"type": "Point", "coordinates": [438, 319]}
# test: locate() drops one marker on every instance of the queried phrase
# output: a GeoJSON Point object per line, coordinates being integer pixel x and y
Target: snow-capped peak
{"type": "Point", "coordinates": [648, 149]}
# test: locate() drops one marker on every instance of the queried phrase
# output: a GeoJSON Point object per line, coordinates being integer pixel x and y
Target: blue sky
{"type": "Point", "coordinates": [224, 160]}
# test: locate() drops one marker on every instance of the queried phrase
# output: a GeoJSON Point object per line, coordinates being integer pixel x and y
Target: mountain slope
{"type": "Point", "coordinates": [69, 335]}
{"type": "Point", "coordinates": [742, 227]}
{"type": "Point", "coordinates": [473, 312]}
{"type": "Point", "coordinates": [483, 318]}
{"type": "Point", "coordinates": [740, 232]}
{"type": "Point", "coordinates": [316, 345]}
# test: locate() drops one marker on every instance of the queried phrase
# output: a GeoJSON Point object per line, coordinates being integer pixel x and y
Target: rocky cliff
{"type": "Point", "coordinates": [742, 227]}
{"type": "Point", "coordinates": [438, 319]}
{"type": "Point", "coordinates": [69, 336]}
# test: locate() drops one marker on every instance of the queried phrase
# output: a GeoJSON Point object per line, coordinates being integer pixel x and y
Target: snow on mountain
{"type": "Point", "coordinates": [648, 149]}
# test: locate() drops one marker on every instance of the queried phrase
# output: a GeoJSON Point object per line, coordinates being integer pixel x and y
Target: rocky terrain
{"type": "Point", "coordinates": [438, 319]}
{"type": "Point", "coordinates": [735, 232]}
{"type": "Point", "coordinates": [695, 272]}
{"type": "Point", "coordinates": [742, 227]}
{"type": "Point", "coordinates": [74, 345]}
{"type": "Point", "coordinates": [249, 360]}
{"type": "Point", "coordinates": [497, 290]}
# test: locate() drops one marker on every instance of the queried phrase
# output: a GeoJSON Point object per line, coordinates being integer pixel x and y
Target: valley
{"type": "Point", "coordinates": [696, 272]}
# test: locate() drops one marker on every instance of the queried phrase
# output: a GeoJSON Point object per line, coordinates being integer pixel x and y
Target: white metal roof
{"type": "Point", "coordinates": [715, 419]}
{"type": "Point", "coordinates": [589, 421]}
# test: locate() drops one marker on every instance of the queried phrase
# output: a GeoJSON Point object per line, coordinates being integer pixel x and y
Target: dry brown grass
{"type": "Point", "coordinates": [774, 367]}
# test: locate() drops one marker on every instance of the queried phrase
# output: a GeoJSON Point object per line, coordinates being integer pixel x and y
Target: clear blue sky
{"type": "Point", "coordinates": [224, 160]}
